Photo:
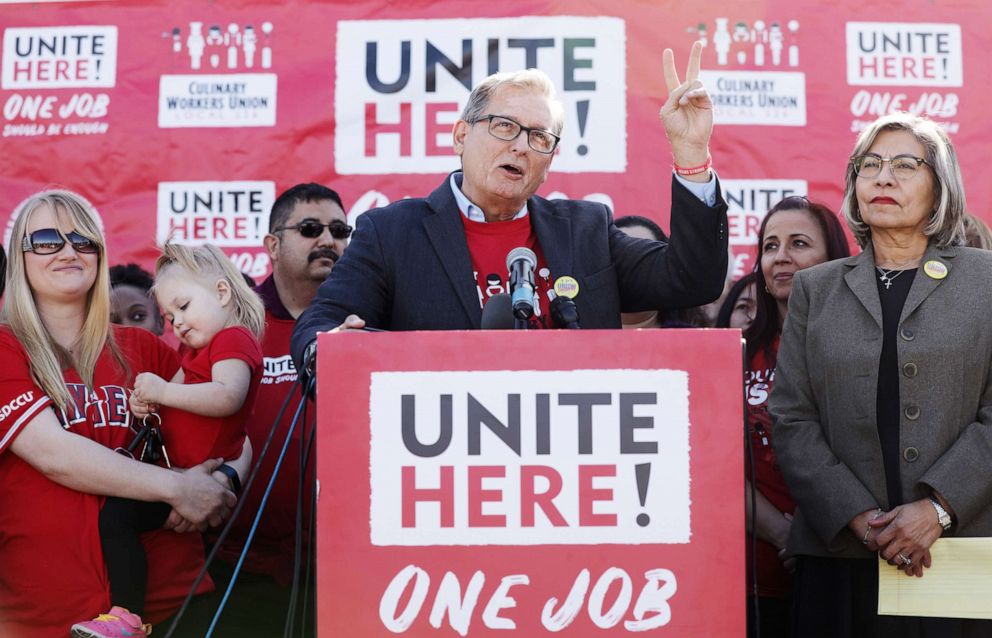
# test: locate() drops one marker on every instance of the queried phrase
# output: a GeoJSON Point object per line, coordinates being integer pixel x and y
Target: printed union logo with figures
{"type": "Point", "coordinates": [220, 87]}
{"type": "Point", "coordinates": [751, 70]}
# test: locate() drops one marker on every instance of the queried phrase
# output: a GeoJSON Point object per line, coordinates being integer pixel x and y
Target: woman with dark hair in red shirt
{"type": "Point", "coordinates": [795, 234]}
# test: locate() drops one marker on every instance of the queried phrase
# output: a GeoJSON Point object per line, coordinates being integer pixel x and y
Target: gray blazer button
{"type": "Point", "coordinates": [911, 454]}
{"type": "Point", "coordinates": [913, 413]}
{"type": "Point", "coordinates": [910, 370]}
{"type": "Point", "coordinates": [907, 334]}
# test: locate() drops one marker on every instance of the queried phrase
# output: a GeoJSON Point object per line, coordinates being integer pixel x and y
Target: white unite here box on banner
{"type": "Point", "coordinates": [59, 57]}
{"type": "Point", "coordinates": [485, 481]}
{"type": "Point", "coordinates": [401, 84]}
{"type": "Point", "coordinates": [904, 54]}
{"type": "Point", "coordinates": [226, 214]}
{"type": "Point", "coordinates": [501, 420]}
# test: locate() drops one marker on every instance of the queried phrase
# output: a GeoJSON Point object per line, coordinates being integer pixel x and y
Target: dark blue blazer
{"type": "Point", "coordinates": [408, 266]}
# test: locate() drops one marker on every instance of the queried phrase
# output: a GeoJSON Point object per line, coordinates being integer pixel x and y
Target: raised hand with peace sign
{"type": "Point", "coordinates": [687, 113]}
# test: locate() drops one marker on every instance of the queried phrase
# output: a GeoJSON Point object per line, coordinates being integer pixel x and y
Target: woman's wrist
{"type": "Point", "coordinates": [171, 485]}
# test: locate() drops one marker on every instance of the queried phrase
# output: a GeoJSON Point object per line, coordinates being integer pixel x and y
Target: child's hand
{"type": "Point", "coordinates": [149, 387]}
{"type": "Point", "coordinates": [139, 408]}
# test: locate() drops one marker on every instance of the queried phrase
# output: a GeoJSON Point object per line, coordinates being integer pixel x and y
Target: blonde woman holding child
{"type": "Point", "coordinates": [218, 320]}
{"type": "Point", "coordinates": [64, 401]}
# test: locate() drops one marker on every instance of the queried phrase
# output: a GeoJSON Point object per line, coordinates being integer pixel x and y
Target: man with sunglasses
{"type": "Point", "coordinates": [308, 233]}
{"type": "Point", "coordinates": [426, 263]}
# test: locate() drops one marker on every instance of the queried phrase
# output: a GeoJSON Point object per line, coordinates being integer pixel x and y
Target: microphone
{"type": "Point", "coordinates": [497, 313]}
{"type": "Point", "coordinates": [521, 263]}
{"type": "Point", "coordinates": [564, 313]}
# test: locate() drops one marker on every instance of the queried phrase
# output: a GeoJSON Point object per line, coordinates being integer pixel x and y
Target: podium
{"type": "Point", "coordinates": [481, 483]}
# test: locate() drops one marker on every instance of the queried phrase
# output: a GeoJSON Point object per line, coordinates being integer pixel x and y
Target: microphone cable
{"type": "Point", "coordinates": [752, 535]}
{"type": "Point", "coordinates": [311, 557]}
{"type": "Point", "coordinates": [261, 508]}
{"type": "Point", "coordinates": [306, 439]}
{"type": "Point", "coordinates": [234, 514]}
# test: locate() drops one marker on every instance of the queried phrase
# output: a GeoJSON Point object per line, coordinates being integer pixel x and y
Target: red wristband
{"type": "Point", "coordinates": [693, 170]}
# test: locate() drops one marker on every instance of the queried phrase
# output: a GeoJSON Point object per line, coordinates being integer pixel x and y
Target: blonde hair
{"type": "Point", "coordinates": [207, 264]}
{"type": "Point", "coordinates": [946, 226]}
{"type": "Point", "coordinates": [47, 358]}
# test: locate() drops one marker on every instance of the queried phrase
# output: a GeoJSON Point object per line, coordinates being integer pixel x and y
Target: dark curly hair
{"type": "Point", "coordinates": [131, 275]}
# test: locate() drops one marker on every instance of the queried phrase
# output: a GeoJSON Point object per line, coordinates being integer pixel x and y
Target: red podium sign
{"type": "Point", "coordinates": [477, 482]}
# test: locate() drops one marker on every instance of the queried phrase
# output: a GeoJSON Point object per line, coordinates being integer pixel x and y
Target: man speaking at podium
{"type": "Point", "coordinates": [431, 264]}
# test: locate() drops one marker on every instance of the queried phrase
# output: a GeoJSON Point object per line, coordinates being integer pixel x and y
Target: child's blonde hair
{"type": "Point", "coordinates": [208, 264]}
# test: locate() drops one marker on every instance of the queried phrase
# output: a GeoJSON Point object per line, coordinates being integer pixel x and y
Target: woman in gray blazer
{"type": "Point", "coordinates": [883, 400]}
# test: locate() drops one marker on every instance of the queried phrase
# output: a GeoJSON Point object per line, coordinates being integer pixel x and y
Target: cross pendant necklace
{"type": "Point", "coordinates": [886, 276]}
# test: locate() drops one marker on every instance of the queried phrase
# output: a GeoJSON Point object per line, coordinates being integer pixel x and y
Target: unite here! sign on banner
{"type": "Point", "coordinates": [492, 495]}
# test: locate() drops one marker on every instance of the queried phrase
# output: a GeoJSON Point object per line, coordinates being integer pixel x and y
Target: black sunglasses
{"type": "Point", "coordinates": [49, 241]}
{"type": "Point", "coordinates": [313, 229]}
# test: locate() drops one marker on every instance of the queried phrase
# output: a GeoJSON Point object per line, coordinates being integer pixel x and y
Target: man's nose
{"type": "Point", "coordinates": [325, 238]}
{"type": "Point", "coordinates": [520, 144]}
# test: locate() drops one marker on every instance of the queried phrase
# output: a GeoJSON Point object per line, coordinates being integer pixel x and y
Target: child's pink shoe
{"type": "Point", "coordinates": [116, 623]}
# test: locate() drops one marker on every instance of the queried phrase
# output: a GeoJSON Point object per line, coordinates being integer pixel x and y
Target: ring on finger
{"type": "Point", "coordinates": [906, 560]}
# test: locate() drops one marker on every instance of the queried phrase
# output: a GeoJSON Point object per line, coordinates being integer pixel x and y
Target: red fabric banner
{"type": "Point", "coordinates": [185, 119]}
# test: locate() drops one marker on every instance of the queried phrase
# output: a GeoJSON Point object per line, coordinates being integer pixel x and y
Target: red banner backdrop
{"type": "Point", "coordinates": [477, 482]}
{"type": "Point", "coordinates": [186, 118]}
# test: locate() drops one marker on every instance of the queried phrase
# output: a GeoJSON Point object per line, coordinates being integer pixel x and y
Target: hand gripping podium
{"type": "Point", "coordinates": [481, 483]}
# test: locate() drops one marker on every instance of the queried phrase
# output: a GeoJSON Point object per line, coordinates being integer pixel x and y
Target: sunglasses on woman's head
{"type": "Point", "coordinates": [49, 241]}
{"type": "Point", "coordinates": [311, 229]}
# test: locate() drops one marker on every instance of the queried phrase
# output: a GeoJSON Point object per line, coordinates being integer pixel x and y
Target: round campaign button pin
{"type": "Point", "coordinates": [566, 287]}
{"type": "Point", "coordinates": [935, 269]}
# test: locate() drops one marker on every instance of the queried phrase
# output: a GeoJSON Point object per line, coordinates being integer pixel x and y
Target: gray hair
{"type": "Point", "coordinates": [946, 225]}
{"type": "Point", "coordinates": [533, 79]}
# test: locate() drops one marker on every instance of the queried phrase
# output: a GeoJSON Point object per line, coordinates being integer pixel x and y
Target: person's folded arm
{"type": "Point", "coordinates": [83, 465]}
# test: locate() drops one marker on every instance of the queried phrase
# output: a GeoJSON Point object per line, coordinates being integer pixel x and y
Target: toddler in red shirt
{"type": "Point", "coordinates": [218, 320]}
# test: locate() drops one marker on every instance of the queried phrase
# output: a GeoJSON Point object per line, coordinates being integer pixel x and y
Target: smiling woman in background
{"type": "Point", "coordinates": [795, 234]}
{"type": "Point", "coordinates": [883, 396]}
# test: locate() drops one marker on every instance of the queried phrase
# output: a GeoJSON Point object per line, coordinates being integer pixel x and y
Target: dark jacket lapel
{"type": "Point", "coordinates": [447, 234]}
{"type": "Point", "coordinates": [554, 235]}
